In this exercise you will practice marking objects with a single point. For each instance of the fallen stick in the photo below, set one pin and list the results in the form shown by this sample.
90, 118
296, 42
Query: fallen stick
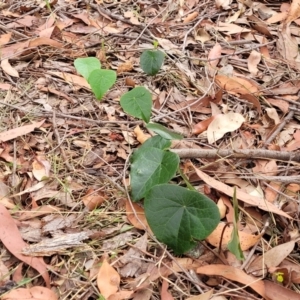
249, 153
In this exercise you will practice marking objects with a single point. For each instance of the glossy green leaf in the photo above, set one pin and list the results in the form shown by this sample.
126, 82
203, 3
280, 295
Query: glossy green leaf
179, 217
101, 81
85, 66
150, 167
164, 132
137, 103
234, 245
151, 61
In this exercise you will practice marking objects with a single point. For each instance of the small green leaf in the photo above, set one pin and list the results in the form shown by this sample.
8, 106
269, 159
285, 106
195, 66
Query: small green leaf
150, 167
101, 81
164, 132
155, 44
137, 103
85, 66
234, 245
151, 61
179, 217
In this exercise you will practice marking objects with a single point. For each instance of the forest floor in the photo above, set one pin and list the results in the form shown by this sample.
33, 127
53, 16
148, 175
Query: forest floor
67, 225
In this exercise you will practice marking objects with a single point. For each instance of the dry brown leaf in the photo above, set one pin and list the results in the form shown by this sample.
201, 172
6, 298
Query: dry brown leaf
222, 124
8, 69
202, 35
222, 208
225, 4
41, 168
143, 294
253, 61
247, 240
294, 12
259, 25
5, 38
16, 132
271, 258
108, 280
121, 295
130, 82
272, 113
18, 48
278, 17
271, 191
164, 294
236, 85
34, 293
234, 274
142, 222
213, 54
31, 189
252, 99
71, 79
12, 240
52, 32
5, 86
287, 45
125, 67
229, 191
140, 135
93, 199
190, 17
231, 28
273, 290
202, 126
281, 104
263, 166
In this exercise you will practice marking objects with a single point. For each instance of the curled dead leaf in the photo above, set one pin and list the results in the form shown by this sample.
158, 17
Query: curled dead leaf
8, 69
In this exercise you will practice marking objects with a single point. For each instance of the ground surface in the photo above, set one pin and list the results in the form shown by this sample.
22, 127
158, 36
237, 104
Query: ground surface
67, 228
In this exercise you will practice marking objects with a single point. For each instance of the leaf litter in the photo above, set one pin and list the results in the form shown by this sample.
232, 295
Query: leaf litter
229, 83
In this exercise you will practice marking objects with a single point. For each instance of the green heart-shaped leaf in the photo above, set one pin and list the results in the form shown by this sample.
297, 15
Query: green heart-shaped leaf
151, 166
138, 103
101, 81
85, 66
151, 61
179, 217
